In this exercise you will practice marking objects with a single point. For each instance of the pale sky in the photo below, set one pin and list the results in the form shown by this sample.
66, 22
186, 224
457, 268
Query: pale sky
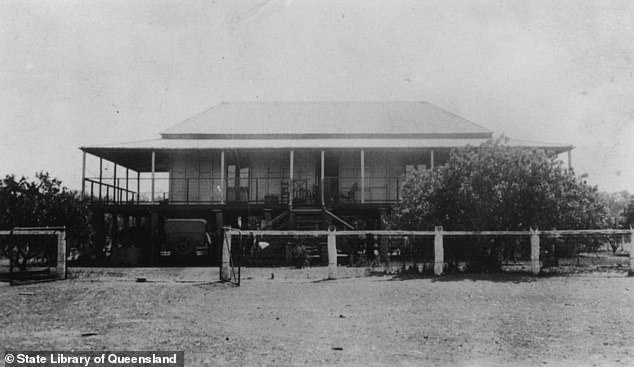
76, 73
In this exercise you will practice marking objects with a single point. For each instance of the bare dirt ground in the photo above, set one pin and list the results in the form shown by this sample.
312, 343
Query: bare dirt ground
297, 318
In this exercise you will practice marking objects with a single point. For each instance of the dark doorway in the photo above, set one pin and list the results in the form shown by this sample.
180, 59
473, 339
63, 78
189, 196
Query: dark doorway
237, 183
331, 178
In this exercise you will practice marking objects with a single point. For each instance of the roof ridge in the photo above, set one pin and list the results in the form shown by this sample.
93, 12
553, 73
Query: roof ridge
458, 116
324, 101
320, 117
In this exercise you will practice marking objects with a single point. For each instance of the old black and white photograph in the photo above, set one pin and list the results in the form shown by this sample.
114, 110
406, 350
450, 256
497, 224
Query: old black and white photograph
316, 183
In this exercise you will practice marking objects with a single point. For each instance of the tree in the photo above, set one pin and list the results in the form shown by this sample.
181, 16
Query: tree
38, 203
498, 187
616, 203
627, 219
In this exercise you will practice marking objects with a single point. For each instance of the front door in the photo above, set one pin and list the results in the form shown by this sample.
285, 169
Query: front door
237, 183
306, 176
331, 178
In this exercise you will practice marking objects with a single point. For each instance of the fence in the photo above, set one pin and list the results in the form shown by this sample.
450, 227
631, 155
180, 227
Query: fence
439, 250
33, 254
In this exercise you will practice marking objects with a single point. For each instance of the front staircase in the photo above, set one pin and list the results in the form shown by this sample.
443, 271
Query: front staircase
306, 219
309, 218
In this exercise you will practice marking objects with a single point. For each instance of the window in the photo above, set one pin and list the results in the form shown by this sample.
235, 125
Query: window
244, 177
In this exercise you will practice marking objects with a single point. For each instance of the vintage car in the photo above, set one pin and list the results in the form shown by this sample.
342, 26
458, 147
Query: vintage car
186, 238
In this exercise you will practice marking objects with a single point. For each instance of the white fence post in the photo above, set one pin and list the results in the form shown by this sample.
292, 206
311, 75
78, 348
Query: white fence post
439, 251
535, 268
61, 254
631, 272
225, 275
332, 255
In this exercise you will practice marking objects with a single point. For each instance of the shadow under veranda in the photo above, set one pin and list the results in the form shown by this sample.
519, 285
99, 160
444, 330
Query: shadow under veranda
495, 277
507, 276
453, 276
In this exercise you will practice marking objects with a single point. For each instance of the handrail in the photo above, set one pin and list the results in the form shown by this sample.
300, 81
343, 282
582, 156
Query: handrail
108, 185
278, 218
332, 215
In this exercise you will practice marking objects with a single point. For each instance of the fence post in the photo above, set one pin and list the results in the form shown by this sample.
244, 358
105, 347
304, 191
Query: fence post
631, 272
535, 268
439, 251
225, 275
332, 254
61, 254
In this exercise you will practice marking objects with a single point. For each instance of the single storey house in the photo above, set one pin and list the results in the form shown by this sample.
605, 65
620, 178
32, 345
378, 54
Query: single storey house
299, 165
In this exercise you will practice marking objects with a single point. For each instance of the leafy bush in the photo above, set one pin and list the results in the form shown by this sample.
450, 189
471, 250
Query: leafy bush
39, 203
498, 187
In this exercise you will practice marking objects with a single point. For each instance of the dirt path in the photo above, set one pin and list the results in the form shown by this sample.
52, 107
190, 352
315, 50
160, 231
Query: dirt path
299, 319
